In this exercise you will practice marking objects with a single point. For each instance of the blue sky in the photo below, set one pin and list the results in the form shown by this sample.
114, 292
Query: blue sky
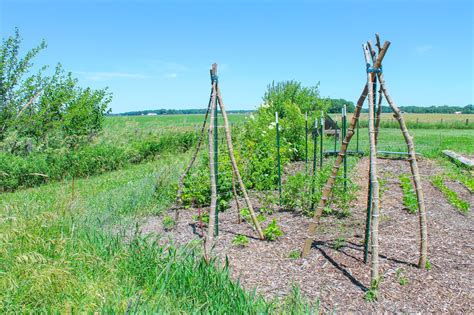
157, 54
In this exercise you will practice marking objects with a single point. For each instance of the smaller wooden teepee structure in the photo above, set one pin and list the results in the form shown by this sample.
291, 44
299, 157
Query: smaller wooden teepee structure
374, 71
214, 100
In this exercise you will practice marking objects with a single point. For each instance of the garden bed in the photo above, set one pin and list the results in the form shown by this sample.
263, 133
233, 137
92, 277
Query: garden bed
334, 272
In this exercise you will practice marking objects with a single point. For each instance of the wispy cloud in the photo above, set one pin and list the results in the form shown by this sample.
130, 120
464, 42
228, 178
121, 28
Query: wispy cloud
422, 50
171, 75
103, 76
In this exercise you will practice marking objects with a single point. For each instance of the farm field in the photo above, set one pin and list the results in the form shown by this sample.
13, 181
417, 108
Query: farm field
80, 237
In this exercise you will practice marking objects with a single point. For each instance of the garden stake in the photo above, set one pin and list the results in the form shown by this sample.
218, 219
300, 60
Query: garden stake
343, 136
315, 154
306, 142
335, 137
357, 138
278, 155
321, 135
216, 162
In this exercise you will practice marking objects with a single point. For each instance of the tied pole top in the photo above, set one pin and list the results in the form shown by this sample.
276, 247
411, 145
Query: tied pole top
369, 55
344, 111
213, 72
276, 117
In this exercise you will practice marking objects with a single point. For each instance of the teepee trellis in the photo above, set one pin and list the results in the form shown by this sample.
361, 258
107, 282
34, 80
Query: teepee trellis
214, 101
374, 72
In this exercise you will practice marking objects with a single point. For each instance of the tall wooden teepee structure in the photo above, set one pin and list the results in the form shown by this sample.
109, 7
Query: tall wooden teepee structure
215, 100
374, 71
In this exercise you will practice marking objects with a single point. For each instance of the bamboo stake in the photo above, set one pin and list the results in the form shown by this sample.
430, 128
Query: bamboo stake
331, 180
374, 271
415, 174
233, 161
191, 162
212, 210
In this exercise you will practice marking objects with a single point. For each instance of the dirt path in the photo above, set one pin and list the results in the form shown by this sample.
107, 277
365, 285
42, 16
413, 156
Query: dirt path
334, 271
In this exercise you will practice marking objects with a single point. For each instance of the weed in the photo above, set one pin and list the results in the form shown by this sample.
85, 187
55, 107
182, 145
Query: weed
294, 254
339, 243
168, 223
402, 279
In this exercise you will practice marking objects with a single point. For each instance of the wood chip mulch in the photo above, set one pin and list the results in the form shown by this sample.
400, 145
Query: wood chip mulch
337, 275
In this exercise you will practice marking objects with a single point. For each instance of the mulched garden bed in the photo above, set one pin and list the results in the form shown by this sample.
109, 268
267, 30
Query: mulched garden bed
334, 271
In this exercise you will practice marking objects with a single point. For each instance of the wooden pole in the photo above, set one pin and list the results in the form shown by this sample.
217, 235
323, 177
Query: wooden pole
374, 271
234, 162
212, 210
413, 166
179, 195
331, 180
327, 188
415, 174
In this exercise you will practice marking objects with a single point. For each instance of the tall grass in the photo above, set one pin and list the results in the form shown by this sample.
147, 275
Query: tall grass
75, 253
39, 168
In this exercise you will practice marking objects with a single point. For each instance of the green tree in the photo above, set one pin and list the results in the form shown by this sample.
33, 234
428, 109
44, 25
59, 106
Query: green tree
38, 112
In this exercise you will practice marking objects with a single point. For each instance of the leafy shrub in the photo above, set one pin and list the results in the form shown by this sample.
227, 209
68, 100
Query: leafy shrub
38, 112
272, 231
38, 168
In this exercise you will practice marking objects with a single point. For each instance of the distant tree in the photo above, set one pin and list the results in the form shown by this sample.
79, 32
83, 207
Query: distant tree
338, 104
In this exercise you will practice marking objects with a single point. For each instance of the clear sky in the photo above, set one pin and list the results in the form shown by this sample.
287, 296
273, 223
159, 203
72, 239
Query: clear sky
157, 54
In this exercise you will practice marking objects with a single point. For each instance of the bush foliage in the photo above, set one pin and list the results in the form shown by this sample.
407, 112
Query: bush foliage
40, 112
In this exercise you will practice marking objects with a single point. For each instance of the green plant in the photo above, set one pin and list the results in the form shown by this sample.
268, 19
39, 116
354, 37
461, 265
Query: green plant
168, 223
294, 254
371, 295
272, 231
410, 200
261, 218
339, 243
245, 214
240, 240
428, 265
451, 196
402, 279
204, 217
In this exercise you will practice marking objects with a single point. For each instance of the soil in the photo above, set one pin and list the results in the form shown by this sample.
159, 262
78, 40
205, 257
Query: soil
334, 271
